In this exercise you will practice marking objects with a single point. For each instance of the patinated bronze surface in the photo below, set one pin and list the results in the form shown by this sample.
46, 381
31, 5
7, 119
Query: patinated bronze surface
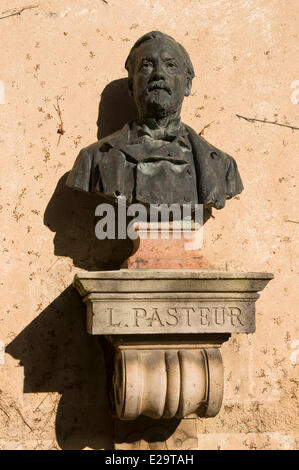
157, 159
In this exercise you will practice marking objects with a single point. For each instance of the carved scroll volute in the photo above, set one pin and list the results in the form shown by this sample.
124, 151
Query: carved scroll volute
167, 383
215, 381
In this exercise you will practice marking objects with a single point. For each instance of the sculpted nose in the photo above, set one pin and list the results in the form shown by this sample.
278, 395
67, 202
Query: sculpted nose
158, 73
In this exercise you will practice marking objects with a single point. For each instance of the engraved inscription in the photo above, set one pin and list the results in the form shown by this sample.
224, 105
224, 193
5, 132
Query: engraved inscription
219, 316
154, 317
172, 312
139, 313
204, 319
110, 313
235, 314
188, 310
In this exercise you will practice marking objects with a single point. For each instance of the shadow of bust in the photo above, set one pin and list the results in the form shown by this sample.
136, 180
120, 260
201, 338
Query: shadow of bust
116, 108
71, 213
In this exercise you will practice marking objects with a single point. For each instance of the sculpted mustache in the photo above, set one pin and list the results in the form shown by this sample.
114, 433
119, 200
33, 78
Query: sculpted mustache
159, 86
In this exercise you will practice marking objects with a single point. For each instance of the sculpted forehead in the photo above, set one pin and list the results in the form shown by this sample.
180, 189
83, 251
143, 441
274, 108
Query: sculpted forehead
159, 48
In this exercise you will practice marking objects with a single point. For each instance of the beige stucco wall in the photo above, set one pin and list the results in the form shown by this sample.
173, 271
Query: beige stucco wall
245, 54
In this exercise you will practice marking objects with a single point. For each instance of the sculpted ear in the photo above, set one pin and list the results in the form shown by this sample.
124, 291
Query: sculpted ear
188, 86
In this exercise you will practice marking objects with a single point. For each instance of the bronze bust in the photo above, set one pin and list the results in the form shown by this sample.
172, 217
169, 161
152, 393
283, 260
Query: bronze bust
157, 159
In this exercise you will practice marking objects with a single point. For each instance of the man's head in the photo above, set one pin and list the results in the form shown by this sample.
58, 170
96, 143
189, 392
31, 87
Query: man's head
160, 75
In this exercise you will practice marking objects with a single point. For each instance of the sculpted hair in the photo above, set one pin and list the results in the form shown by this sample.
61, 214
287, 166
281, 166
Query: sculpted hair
129, 64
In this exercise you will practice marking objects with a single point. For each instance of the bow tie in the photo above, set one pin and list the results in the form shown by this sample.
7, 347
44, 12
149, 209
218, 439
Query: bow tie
151, 129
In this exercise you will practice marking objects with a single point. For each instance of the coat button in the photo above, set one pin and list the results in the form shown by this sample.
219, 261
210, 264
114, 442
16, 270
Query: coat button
214, 155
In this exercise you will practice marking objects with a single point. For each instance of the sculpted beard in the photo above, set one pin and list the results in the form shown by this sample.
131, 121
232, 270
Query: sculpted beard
156, 102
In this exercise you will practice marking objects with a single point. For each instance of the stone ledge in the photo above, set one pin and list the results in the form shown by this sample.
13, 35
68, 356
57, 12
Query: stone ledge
166, 328
169, 280
170, 301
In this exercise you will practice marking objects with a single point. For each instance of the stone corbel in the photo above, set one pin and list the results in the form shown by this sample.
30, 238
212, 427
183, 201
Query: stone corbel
167, 381
166, 328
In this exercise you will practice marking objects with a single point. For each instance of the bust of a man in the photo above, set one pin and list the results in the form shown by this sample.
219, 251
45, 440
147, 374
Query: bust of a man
157, 159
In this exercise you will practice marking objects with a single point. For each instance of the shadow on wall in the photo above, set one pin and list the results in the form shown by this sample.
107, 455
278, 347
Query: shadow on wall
55, 350
70, 213
59, 356
144, 433
116, 108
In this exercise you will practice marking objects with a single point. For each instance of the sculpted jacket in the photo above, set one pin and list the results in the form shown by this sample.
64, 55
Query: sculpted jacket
152, 166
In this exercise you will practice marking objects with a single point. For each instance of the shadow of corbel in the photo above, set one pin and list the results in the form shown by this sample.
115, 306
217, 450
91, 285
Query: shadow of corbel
59, 356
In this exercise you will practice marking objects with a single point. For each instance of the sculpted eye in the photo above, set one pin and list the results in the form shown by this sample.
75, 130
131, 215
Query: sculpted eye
171, 65
145, 65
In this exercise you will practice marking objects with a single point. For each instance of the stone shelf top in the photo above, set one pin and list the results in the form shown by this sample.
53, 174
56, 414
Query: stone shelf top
169, 280
172, 274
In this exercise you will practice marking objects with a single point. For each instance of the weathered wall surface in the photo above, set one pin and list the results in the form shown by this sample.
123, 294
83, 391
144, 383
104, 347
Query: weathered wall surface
66, 53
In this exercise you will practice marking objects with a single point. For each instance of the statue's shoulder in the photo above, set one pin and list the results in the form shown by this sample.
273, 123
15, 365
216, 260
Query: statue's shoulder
201, 145
217, 171
81, 175
104, 144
